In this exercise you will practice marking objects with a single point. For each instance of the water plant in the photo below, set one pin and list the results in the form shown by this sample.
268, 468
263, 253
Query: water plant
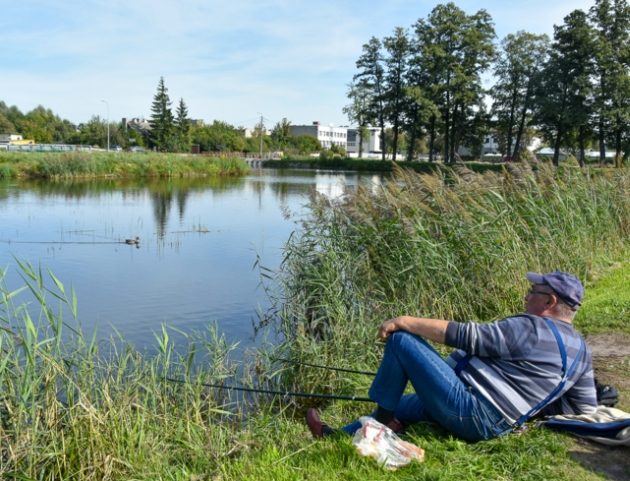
72, 407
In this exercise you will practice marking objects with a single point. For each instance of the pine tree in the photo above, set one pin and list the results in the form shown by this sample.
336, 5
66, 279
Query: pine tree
182, 127
162, 123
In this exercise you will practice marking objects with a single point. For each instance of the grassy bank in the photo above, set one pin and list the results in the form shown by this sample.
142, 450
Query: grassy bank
363, 165
74, 408
81, 410
66, 165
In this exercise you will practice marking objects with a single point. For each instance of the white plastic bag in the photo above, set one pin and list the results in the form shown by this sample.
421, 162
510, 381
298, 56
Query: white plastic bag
375, 440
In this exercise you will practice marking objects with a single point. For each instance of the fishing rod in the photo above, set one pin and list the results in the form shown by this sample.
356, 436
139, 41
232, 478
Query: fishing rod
276, 392
319, 366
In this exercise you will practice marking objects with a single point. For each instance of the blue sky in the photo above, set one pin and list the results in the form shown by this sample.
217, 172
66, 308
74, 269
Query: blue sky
228, 60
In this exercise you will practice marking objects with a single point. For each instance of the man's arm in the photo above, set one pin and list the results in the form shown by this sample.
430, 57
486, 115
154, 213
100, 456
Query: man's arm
432, 329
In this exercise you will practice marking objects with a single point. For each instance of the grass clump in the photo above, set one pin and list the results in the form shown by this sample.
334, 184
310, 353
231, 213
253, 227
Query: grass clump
66, 165
74, 408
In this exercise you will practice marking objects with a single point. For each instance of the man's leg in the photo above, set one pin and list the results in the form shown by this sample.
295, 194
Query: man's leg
441, 395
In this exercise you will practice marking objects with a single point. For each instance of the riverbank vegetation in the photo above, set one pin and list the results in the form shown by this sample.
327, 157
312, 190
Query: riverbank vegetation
451, 246
454, 246
365, 165
64, 165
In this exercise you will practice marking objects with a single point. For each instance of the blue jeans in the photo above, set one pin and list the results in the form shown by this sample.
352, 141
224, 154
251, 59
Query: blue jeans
441, 396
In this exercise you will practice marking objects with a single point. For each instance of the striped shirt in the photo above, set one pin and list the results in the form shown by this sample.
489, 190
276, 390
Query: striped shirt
516, 363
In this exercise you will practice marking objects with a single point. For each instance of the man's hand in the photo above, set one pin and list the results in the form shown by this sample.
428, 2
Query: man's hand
392, 325
432, 329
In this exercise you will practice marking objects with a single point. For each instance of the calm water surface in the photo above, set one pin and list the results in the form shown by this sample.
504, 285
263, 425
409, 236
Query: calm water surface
199, 241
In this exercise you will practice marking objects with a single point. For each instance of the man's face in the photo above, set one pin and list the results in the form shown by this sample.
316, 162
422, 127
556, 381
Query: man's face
538, 298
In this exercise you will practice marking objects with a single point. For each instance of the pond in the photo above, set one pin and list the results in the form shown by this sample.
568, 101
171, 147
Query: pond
194, 263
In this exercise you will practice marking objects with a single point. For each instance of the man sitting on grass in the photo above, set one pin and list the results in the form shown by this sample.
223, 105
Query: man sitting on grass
501, 374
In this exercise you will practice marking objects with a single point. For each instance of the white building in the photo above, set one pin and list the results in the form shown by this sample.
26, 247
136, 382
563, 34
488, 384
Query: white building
327, 135
371, 142
10, 138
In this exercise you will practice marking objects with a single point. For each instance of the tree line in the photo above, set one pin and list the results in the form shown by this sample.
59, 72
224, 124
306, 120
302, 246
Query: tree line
168, 132
425, 85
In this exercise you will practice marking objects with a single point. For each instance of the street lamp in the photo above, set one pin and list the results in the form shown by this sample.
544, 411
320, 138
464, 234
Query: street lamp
107, 103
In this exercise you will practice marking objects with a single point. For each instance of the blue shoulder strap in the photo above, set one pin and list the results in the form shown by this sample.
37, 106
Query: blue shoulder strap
566, 373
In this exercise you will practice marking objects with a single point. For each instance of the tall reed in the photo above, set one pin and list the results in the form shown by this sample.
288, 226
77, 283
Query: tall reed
75, 408
451, 246
65, 165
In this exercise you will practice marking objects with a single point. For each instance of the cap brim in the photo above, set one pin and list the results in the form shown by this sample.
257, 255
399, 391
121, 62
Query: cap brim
535, 278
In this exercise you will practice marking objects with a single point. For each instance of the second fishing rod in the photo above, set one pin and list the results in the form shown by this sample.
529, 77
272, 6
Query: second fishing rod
275, 392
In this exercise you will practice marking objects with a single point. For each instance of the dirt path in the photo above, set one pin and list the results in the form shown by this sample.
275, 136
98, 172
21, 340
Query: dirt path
611, 360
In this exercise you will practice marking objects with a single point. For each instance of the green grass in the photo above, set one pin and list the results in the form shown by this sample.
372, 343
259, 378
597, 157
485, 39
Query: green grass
67, 165
607, 305
535, 454
363, 165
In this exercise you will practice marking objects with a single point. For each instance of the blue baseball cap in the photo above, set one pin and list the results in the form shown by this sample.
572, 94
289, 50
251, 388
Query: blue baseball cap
568, 287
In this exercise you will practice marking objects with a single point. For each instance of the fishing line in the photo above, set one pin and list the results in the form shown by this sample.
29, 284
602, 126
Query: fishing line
275, 392
319, 366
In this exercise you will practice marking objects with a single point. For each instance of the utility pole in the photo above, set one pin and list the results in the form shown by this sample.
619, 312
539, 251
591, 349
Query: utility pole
262, 126
107, 103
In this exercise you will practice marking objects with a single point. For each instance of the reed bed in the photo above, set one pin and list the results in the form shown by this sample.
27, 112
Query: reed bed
67, 165
453, 245
74, 408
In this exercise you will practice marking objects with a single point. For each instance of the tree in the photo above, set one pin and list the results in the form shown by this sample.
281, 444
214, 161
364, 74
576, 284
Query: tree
517, 72
611, 20
6, 126
358, 111
371, 77
565, 93
162, 134
182, 127
456, 48
218, 137
418, 110
281, 132
396, 64
304, 144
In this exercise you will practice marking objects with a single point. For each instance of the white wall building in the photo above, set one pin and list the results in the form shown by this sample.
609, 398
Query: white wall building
371, 142
327, 135
9, 138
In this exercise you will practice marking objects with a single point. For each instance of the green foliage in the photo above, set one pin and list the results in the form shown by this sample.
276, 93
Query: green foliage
371, 78
218, 137
74, 408
607, 304
60, 165
565, 90
182, 127
281, 133
302, 145
162, 134
398, 49
518, 74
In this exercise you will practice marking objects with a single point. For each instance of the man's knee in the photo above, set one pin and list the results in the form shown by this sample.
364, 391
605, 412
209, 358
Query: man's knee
403, 340
399, 338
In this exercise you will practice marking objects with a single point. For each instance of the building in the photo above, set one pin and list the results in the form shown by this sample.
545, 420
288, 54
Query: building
13, 139
371, 142
327, 135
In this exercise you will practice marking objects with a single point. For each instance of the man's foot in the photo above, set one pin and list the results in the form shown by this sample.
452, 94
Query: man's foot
396, 426
316, 426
